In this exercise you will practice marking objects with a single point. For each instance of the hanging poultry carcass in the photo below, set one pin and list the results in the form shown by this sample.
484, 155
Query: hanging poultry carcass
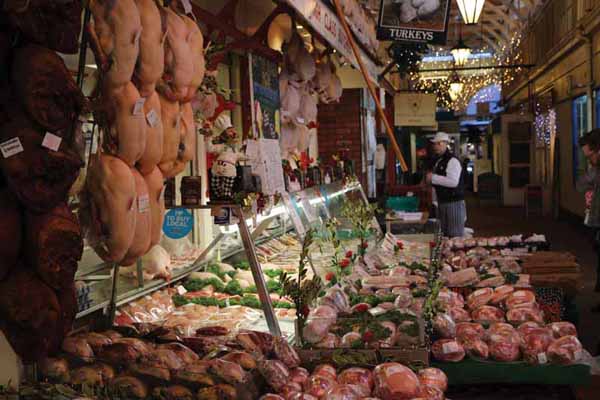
153, 150
171, 119
155, 183
143, 221
196, 43
151, 62
115, 33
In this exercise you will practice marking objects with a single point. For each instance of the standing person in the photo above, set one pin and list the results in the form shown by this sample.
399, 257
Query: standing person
590, 184
447, 180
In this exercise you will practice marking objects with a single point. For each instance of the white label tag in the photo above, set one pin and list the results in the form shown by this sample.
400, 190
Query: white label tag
578, 355
542, 358
11, 147
181, 290
152, 118
51, 141
143, 203
138, 108
187, 6
450, 347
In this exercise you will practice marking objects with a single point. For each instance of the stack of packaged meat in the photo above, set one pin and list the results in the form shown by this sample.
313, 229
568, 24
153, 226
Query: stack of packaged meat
516, 330
151, 64
41, 147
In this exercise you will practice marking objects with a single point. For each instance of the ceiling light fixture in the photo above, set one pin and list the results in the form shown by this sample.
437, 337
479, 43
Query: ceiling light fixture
461, 53
470, 10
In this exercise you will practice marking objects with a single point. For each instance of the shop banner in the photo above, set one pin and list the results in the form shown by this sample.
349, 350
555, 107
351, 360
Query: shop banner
265, 94
401, 20
414, 109
326, 23
178, 223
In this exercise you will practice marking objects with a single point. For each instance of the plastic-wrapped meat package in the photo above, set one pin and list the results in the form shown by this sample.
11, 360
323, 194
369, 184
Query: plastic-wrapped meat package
430, 393
459, 315
526, 327
404, 299
285, 353
290, 389
357, 376
465, 277
302, 396
504, 349
501, 293
337, 299
476, 348
350, 338
444, 326
560, 329
520, 298
448, 350
326, 370
399, 271
535, 344
488, 314
466, 331
479, 298
433, 377
525, 314
270, 396
318, 324
450, 299
319, 385
330, 341
275, 372
394, 381
343, 392
299, 375
565, 350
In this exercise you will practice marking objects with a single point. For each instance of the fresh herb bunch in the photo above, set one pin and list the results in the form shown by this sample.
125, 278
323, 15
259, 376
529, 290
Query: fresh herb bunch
302, 290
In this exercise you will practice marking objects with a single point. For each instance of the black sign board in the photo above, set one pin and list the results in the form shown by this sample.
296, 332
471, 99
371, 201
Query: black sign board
420, 21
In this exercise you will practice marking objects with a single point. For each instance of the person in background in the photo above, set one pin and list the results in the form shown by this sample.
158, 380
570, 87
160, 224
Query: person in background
589, 183
447, 180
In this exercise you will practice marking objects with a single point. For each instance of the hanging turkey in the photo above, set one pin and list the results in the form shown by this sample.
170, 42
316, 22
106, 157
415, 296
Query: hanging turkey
151, 62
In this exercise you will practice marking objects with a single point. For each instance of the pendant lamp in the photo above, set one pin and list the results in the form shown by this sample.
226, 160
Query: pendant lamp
470, 10
460, 52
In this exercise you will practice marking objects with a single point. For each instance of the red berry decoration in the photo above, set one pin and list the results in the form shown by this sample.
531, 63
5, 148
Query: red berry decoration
344, 263
400, 245
359, 308
349, 254
329, 276
364, 245
432, 244
368, 336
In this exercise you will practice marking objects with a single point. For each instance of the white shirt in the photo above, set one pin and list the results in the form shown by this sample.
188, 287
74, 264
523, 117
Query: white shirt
452, 178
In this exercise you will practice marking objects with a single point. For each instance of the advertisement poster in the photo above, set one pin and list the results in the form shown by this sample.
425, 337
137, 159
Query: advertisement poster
419, 21
265, 85
178, 223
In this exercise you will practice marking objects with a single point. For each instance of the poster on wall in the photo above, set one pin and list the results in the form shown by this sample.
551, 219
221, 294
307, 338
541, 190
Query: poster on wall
265, 95
414, 109
403, 20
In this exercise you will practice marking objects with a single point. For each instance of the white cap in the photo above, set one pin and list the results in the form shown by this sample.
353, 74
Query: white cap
222, 123
441, 137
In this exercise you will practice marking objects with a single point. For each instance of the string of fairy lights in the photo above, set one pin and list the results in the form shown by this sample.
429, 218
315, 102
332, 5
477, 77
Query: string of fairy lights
469, 82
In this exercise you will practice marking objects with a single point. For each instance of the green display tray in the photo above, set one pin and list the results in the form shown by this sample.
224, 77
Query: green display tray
470, 372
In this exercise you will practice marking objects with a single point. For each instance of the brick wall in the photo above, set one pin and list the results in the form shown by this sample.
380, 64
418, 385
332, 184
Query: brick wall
339, 128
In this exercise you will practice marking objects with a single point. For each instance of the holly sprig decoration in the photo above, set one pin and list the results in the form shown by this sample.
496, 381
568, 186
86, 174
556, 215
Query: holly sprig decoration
341, 261
361, 217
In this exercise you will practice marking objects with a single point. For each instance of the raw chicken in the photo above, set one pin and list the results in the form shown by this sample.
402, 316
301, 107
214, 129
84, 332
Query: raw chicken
179, 62
560, 329
155, 184
566, 350
300, 60
307, 114
143, 221
322, 77
290, 103
151, 61
39, 177
394, 381
172, 134
127, 125
156, 264
52, 24
54, 245
448, 350
11, 232
433, 377
115, 34
112, 214
196, 43
153, 150
29, 321
47, 90
535, 344
187, 146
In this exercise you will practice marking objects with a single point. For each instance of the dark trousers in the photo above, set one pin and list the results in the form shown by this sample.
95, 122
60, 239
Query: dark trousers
597, 248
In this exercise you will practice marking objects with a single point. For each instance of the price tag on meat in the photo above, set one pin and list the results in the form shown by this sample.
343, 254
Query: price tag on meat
542, 358
11, 147
187, 6
450, 347
181, 290
51, 141
152, 118
143, 203
138, 108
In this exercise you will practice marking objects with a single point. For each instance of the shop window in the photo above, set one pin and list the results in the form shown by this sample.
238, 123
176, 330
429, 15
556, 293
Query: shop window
580, 127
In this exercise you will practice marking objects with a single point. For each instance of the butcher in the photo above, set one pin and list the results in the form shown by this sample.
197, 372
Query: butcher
589, 183
447, 180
